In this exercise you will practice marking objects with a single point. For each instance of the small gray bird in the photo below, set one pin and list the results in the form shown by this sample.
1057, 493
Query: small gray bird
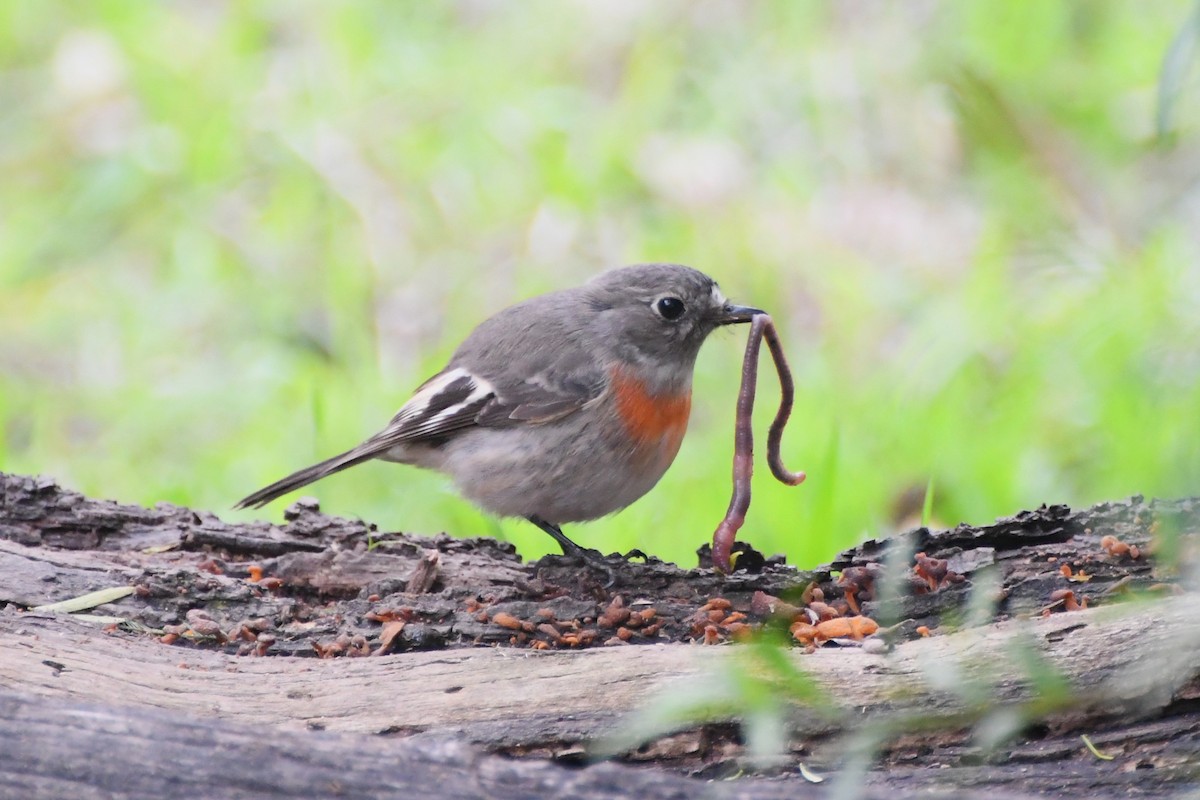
562, 408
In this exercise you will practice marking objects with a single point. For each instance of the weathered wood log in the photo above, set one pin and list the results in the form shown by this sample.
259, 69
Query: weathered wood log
1134, 669
508, 698
549, 703
93, 752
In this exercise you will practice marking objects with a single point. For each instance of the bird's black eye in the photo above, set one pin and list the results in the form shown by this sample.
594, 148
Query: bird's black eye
669, 307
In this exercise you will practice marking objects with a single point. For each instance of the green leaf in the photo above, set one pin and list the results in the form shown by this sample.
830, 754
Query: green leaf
86, 601
1092, 748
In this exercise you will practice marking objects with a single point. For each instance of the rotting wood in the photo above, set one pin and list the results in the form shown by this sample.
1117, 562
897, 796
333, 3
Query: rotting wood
547, 704
506, 697
56, 544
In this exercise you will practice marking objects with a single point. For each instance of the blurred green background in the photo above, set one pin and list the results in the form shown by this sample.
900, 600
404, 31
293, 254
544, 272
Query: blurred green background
235, 235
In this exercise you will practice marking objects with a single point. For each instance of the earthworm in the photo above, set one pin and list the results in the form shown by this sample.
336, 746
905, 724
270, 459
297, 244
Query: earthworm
761, 326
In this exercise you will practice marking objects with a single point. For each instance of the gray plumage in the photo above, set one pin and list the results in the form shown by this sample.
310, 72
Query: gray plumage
524, 417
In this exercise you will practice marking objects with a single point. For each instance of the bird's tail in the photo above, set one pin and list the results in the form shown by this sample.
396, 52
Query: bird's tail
308, 475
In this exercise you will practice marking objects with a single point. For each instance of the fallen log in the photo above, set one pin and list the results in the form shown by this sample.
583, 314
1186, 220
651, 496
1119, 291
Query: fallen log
1134, 669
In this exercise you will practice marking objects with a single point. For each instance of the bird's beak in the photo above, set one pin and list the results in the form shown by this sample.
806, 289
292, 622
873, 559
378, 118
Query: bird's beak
732, 314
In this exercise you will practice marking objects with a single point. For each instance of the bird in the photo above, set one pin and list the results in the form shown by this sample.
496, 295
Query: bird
562, 408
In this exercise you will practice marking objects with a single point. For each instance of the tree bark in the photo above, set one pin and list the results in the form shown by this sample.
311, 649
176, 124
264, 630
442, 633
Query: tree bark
432, 707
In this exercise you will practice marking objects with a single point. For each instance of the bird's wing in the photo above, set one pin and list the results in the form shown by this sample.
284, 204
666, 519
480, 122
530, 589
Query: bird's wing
542, 397
457, 398
528, 364
451, 400
524, 366
448, 401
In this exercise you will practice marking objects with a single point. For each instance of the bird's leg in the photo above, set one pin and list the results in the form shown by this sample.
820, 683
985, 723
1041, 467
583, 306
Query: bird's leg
569, 548
592, 558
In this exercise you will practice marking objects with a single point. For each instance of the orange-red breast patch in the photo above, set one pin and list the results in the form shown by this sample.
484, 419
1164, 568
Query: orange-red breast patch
655, 422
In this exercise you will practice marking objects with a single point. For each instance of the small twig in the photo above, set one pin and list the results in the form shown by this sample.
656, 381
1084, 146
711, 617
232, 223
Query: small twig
743, 440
